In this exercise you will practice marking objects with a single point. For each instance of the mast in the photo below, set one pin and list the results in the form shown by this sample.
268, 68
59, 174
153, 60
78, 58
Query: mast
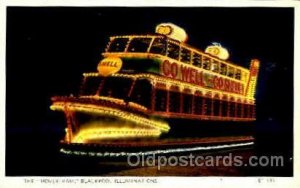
252, 80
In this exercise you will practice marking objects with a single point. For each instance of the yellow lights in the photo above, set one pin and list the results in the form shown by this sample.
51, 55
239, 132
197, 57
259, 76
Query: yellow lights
155, 152
151, 55
109, 65
164, 29
126, 126
117, 101
67, 136
182, 85
112, 112
255, 63
162, 58
171, 30
254, 67
97, 97
137, 106
90, 74
218, 51
205, 76
111, 133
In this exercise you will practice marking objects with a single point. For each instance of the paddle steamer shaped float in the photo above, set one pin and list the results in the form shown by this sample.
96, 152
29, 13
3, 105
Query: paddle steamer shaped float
156, 86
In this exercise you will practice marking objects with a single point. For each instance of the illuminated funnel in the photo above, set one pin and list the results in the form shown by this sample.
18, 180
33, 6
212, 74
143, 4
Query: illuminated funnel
217, 50
172, 31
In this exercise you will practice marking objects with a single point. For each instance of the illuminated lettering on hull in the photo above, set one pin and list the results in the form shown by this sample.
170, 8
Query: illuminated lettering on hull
201, 78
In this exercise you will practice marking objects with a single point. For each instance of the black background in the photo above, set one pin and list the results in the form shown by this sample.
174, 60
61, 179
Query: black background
48, 49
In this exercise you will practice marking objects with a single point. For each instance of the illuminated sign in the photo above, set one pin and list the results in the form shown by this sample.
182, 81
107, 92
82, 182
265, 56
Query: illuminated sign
218, 51
194, 76
164, 30
109, 66
171, 30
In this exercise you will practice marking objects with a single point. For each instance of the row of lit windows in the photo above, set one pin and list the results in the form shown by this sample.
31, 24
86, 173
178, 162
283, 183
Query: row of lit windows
174, 51
118, 88
200, 105
178, 102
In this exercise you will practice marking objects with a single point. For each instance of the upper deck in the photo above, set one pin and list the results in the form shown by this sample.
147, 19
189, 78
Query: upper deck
160, 45
166, 54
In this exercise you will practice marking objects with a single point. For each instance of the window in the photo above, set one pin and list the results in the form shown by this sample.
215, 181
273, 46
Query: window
230, 72
239, 109
215, 66
197, 60
207, 106
116, 87
160, 100
187, 103
252, 111
141, 93
174, 101
159, 46
118, 45
224, 108
198, 105
223, 69
139, 45
185, 55
216, 107
91, 85
231, 109
173, 51
206, 63
246, 111
238, 74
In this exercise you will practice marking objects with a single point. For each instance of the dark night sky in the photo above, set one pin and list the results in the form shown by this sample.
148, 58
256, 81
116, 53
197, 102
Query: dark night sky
48, 49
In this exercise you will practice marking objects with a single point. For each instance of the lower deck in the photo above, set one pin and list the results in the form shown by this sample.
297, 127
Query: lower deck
166, 98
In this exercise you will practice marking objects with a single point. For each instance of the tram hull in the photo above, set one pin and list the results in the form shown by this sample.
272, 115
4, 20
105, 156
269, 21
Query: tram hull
179, 128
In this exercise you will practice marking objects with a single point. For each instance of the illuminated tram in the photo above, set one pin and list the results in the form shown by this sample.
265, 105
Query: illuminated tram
157, 86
